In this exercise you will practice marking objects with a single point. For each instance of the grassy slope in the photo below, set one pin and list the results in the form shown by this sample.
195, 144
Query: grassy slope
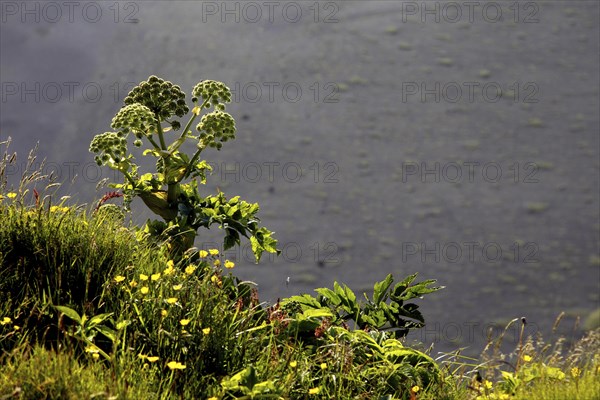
93, 265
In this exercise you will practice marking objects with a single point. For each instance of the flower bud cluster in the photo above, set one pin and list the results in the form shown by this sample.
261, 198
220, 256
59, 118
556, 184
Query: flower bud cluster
134, 117
217, 92
109, 145
162, 97
216, 127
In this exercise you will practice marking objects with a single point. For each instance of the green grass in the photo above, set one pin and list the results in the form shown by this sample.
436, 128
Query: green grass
91, 309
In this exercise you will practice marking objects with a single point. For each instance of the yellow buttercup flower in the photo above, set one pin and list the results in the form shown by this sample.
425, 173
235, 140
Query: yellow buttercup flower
170, 268
144, 290
172, 300
133, 283
323, 365
5, 321
216, 281
488, 384
190, 269
314, 390
203, 253
164, 313
184, 322
143, 277
229, 264
213, 252
575, 372
11, 195
293, 364
206, 331
175, 365
177, 287
217, 263
155, 277
152, 359
415, 389
119, 278
527, 358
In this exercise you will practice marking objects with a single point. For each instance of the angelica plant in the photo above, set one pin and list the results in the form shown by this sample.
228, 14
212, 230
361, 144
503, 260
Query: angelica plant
150, 115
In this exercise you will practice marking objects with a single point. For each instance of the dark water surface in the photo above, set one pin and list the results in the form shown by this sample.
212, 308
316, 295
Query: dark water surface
373, 134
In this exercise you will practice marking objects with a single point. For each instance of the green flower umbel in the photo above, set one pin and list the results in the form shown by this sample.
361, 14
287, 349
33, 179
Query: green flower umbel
215, 127
162, 97
111, 146
135, 118
212, 93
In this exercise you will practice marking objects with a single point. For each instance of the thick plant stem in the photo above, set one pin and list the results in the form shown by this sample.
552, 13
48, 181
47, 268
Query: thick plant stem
172, 193
192, 162
129, 178
156, 146
161, 138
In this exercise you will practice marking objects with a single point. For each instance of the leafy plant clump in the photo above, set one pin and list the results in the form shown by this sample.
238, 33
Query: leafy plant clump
150, 113
386, 310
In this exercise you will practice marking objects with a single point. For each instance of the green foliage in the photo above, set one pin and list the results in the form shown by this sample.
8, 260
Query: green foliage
245, 383
172, 192
56, 255
386, 310
186, 313
161, 328
38, 373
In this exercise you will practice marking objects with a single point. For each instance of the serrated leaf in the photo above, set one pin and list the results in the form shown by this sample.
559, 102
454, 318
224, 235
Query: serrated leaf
329, 295
229, 242
401, 286
305, 300
380, 289
350, 294
338, 289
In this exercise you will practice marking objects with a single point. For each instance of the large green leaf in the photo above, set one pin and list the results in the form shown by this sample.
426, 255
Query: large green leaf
380, 289
98, 319
330, 295
69, 312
